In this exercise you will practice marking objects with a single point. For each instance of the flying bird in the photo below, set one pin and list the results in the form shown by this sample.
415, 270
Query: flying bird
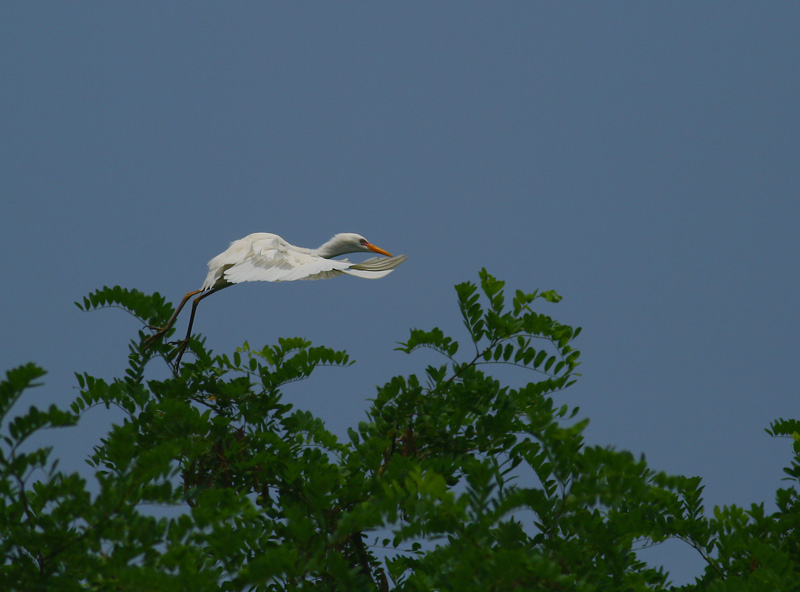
265, 257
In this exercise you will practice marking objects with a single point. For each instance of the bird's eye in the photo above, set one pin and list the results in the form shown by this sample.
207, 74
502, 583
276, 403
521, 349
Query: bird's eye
364, 241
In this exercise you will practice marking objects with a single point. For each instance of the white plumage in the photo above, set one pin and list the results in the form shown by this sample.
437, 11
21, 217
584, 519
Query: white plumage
265, 257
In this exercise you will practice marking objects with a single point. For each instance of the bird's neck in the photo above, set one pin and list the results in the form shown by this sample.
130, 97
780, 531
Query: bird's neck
333, 248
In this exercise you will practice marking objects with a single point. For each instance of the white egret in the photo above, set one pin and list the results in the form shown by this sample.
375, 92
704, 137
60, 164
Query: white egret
265, 257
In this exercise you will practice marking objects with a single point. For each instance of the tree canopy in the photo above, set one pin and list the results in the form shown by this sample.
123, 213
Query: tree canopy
452, 480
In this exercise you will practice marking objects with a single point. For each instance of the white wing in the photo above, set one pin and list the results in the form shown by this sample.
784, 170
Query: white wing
299, 266
375, 268
282, 267
237, 252
370, 269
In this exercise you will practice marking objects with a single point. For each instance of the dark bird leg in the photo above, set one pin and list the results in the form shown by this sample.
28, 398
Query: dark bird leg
185, 342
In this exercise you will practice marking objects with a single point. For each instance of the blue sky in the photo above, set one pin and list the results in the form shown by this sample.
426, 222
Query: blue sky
639, 158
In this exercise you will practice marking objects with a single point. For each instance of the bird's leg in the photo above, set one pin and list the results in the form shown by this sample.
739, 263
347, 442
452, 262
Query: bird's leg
185, 342
162, 330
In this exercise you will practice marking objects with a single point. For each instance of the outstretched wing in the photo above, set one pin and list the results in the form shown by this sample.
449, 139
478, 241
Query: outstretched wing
370, 269
262, 244
280, 265
376, 267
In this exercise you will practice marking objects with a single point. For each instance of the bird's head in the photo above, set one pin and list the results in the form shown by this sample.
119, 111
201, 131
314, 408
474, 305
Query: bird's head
349, 242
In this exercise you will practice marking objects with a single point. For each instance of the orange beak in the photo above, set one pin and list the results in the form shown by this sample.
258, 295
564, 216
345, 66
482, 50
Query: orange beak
375, 249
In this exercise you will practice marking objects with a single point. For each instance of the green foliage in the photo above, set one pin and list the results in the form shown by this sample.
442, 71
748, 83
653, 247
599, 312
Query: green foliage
453, 480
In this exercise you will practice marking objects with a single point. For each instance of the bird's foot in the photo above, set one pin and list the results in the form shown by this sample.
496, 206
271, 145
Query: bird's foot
150, 341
